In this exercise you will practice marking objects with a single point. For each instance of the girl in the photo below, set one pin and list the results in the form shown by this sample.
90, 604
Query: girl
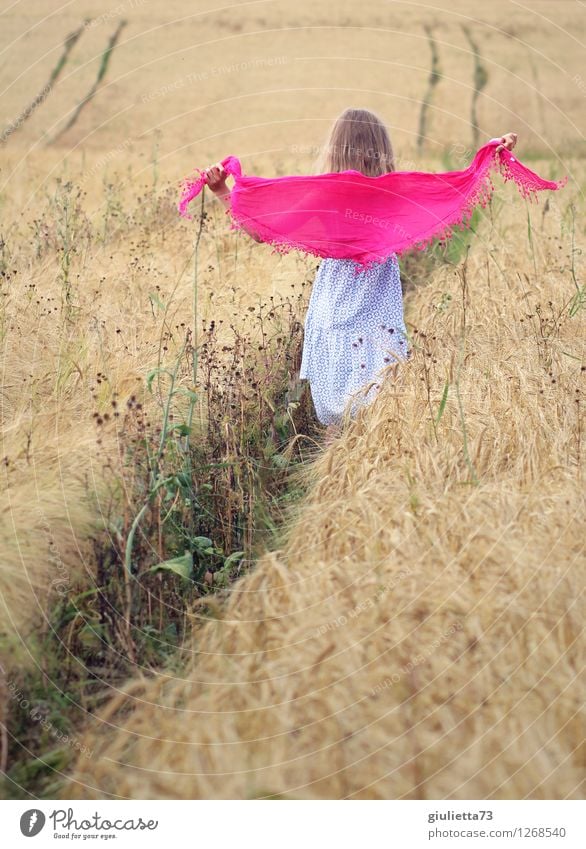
354, 326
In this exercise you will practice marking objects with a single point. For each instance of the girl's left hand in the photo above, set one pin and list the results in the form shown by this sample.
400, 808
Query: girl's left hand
508, 142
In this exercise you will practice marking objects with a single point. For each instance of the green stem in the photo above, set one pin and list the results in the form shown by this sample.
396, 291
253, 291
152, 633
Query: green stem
101, 73
195, 316
463, 420
136, 523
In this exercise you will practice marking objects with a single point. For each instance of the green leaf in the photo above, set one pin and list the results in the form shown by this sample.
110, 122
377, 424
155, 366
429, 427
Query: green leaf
150, 377
182, 429
182, 566
155, 300
184, 482
443, 402
202, 543
279, 461
92, 636
577, 301
229, 561
152, 374
189, 392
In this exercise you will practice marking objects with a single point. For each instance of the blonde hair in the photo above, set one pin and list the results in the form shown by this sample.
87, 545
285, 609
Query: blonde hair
358, 141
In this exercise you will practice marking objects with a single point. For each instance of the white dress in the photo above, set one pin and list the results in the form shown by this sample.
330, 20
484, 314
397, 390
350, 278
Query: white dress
354, 327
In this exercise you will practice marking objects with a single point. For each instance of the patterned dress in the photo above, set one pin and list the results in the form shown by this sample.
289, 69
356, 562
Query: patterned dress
354, 328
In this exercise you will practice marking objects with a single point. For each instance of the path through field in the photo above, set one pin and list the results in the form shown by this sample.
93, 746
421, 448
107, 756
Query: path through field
410, 627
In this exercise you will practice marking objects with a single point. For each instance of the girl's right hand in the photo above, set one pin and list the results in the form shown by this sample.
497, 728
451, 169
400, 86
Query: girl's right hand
216, 179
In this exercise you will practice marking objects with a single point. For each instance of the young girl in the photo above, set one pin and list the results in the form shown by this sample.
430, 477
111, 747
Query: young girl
354, 326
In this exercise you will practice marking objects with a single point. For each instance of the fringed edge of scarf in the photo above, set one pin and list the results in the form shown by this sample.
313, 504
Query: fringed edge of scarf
527, 182
190, 188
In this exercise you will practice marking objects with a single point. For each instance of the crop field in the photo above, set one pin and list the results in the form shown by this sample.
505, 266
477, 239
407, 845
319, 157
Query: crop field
199, 597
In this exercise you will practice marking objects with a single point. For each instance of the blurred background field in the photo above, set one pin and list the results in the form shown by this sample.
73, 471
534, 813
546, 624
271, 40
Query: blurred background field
156, 439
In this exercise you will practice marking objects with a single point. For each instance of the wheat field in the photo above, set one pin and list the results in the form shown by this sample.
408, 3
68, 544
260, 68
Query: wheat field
414, 628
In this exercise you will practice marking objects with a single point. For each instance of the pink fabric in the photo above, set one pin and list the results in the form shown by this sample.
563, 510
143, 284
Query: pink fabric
348, 215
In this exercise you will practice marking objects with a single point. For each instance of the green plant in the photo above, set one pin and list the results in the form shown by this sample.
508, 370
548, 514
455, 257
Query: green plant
72, 236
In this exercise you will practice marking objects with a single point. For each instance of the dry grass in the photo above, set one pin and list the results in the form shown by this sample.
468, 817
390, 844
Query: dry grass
82, 424
417, 634
63, 366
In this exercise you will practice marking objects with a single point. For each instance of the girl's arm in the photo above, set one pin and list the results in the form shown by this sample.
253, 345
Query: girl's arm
216, 180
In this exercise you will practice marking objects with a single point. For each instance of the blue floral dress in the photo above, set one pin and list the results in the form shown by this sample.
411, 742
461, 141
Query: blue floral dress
354, 328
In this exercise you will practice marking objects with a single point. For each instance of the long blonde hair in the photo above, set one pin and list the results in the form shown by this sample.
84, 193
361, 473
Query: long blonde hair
358, 141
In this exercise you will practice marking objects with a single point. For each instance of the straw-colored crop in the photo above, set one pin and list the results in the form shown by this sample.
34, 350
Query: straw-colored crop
417, 634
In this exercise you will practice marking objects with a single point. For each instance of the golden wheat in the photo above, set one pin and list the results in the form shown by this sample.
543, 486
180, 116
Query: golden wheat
417, 634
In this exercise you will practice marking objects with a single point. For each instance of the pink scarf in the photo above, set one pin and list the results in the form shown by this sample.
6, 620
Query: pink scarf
348, 215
